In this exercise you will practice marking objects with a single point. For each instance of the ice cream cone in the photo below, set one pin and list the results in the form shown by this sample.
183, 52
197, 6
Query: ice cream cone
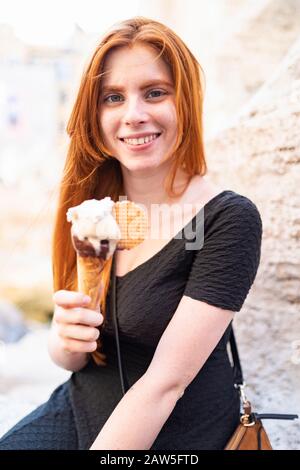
89, 278
89, 282
98, 229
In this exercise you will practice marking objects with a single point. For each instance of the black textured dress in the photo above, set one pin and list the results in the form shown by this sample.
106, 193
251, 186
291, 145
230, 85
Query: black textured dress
220, 273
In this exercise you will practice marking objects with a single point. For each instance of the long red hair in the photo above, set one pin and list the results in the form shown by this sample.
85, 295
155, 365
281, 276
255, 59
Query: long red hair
90, 171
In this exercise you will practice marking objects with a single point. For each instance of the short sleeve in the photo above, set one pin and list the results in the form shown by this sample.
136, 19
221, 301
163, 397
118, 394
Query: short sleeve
224, 268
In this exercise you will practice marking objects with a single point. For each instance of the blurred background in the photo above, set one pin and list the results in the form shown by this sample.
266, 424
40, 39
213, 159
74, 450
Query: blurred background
250, 53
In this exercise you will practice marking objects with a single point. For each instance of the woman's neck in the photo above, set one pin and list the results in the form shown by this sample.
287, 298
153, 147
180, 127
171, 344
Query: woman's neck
149, 189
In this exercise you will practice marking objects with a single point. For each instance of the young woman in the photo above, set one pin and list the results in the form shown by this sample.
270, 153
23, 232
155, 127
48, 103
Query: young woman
136, 131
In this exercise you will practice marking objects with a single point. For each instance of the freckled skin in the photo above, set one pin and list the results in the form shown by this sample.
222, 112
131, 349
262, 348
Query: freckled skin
137, 110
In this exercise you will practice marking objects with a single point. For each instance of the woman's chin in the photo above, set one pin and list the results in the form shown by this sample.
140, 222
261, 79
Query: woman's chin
140, 166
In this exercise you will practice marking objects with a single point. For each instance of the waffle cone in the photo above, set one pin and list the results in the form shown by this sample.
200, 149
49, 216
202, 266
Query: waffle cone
88, 278
89, 282
133, 223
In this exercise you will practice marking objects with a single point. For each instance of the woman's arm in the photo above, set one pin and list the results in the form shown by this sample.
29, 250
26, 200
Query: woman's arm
190, 337
138, 418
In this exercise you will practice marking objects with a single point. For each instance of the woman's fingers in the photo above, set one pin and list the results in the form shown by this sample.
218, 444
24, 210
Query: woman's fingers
75, 324
81, 316
69, 299
77, 346
79, 332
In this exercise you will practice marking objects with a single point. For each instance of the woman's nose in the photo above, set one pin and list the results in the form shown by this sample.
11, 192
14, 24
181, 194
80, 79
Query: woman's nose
134, 111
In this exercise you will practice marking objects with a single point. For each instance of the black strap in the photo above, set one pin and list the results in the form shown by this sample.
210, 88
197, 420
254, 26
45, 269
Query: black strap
237, 369
113, 308
275, 416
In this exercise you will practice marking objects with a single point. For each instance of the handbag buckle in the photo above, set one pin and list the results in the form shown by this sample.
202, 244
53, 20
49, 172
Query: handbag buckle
247, 418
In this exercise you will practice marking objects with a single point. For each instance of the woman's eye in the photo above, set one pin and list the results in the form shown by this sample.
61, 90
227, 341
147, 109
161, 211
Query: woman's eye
114, 98
111, 96
157, 91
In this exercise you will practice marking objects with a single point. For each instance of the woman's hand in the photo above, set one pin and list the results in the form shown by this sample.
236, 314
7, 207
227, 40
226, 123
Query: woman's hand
75, 324
74, 331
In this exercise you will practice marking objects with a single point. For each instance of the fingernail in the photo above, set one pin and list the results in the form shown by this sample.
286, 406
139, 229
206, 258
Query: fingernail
86, 299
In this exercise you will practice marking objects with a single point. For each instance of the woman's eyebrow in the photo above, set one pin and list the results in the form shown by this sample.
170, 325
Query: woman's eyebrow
142, 87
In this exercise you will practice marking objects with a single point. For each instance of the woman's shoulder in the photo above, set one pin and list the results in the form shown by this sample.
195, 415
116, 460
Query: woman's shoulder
239, 206
227, 211
226, 196
205, 193
234, 216
223, 212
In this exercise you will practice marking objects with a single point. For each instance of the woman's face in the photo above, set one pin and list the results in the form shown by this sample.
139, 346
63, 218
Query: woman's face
137, 101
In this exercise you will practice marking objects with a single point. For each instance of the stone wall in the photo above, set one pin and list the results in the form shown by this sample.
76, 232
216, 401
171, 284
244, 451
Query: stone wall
259, 157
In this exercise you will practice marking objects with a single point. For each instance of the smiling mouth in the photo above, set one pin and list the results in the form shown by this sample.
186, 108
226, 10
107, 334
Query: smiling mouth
134, 142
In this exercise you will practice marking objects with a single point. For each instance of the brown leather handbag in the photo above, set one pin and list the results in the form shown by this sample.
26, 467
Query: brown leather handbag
250, 433
249, 436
